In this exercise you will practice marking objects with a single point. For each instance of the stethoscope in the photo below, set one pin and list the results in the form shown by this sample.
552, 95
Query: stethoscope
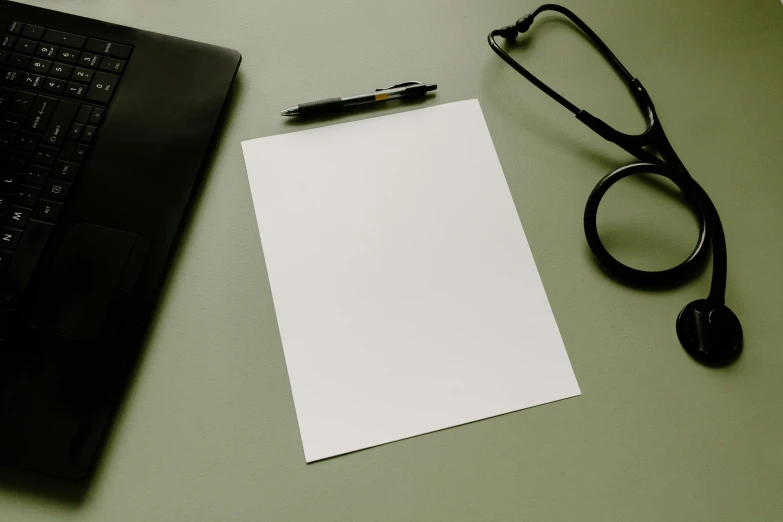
707, 329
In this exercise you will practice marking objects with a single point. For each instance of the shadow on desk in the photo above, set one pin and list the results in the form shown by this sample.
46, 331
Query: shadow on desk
61, 491
73, 493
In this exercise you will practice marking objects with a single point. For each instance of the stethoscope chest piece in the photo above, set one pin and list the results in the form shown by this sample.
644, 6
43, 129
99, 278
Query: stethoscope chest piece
710, 334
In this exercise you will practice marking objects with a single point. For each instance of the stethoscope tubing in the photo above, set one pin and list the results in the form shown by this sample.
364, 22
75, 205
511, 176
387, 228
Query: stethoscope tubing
710, 230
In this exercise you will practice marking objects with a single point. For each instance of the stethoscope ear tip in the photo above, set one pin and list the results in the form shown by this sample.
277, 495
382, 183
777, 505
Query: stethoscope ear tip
710, 334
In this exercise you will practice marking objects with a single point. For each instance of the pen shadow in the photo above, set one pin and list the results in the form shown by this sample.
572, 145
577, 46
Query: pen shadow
72, 494
365, 110
514, 106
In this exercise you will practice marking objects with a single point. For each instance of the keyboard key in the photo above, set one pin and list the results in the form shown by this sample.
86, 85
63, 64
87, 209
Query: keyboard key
33, 32
45, 156
63, 38
22, 102
80, 74
27, 141
15, 28
32, 81
112, 49
80, 152
16, 216
8, 42
45, 50
11, 77
8, 182
66, 152
5, 158
18, 161
65, 170
40, 66
56, 190
9, 237
18, 61
4, 56
85, 111
5, 258
75, 90
25, 196
35, 175
114, 65
25, 46
23, 264
102, 87
54, 85
119, 51
12, 122
95, 45
67, 56
96, 116
61, 70
41, 112
6, 142
75, 132
88, 134
5, 99
47, 210
89, 60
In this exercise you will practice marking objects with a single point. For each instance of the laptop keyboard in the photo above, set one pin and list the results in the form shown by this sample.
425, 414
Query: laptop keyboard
55, 87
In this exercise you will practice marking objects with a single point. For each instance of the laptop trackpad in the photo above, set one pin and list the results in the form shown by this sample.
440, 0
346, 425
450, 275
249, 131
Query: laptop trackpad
77, 292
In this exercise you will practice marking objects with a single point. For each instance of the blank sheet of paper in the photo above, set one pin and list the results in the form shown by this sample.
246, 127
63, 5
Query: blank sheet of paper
407, 297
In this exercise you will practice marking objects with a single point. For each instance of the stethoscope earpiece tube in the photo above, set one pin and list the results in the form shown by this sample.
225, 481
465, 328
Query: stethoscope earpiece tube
707, 329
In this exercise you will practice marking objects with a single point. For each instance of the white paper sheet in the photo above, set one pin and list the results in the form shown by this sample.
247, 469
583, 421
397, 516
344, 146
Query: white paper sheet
407, 297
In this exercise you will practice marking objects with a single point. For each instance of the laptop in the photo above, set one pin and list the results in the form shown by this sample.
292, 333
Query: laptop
104, 133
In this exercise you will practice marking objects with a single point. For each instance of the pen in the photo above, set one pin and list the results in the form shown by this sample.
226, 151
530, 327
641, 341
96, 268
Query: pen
336, 104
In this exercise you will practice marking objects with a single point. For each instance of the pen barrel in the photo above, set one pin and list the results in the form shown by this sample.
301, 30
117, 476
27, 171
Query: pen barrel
320, 107
417, 90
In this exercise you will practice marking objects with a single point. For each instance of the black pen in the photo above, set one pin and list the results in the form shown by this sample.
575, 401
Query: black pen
336, 104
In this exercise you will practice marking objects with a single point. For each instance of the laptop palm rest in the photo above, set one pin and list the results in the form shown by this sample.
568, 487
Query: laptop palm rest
90, 265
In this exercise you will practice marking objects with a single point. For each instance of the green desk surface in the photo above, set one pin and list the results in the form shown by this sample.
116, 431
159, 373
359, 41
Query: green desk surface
208, 431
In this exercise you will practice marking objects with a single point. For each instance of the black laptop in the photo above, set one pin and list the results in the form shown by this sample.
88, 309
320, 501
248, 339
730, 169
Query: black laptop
104, 132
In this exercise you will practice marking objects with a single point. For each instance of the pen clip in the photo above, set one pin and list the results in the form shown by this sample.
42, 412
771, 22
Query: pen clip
403, 84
